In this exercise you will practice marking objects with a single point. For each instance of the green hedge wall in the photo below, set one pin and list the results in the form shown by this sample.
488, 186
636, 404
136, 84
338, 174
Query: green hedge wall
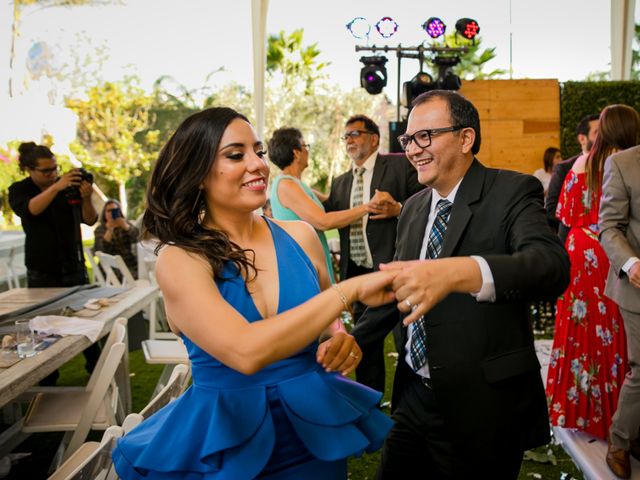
578, 99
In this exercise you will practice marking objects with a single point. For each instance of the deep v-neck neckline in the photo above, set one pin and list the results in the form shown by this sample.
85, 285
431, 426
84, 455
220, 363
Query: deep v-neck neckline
278, 265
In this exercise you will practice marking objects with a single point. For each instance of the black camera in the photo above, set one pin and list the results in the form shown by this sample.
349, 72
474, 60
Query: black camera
86, 176
73, 193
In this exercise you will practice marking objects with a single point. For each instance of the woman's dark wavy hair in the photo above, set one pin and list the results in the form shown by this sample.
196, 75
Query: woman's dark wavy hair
547, 159
30, 153
618, 129
175, 201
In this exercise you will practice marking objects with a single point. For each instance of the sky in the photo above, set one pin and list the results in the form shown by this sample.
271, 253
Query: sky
188, 39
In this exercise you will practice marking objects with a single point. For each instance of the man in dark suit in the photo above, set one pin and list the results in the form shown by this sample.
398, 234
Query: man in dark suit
468, 398
586, 132
367, 243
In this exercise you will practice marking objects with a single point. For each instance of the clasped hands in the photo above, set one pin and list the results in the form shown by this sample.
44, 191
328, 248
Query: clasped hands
419, 285
416, 285
383, 205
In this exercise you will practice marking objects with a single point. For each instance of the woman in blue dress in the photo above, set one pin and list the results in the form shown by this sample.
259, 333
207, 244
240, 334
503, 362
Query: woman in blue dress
250, 298
292, 199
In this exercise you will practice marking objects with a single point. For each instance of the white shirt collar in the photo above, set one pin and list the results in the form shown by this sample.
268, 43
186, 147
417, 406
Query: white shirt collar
436, 197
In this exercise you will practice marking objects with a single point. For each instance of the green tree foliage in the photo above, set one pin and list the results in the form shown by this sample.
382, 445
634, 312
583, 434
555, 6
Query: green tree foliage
298, 95
635, 55
297, 66
114, 138
9, 173
472, 62
578, 99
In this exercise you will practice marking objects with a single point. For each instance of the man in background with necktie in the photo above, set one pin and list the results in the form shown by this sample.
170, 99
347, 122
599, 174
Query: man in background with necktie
468, 398
370, 241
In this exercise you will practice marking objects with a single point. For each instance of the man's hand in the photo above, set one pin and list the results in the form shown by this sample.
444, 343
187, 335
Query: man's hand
340, 353
72, 178
383, 205
422, 284
86, 189
634, 275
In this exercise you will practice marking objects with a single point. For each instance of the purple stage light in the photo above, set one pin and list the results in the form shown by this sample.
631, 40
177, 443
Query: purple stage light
434, 27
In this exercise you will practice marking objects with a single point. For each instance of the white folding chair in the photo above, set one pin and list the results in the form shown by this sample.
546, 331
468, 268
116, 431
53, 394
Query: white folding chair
11, 269
92, 460
6, 268
147, 271
98, 277
76, 410
117, 274
173, 389
168, 353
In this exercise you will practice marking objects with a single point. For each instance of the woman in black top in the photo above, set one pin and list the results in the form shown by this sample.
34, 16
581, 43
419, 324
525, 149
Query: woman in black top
51, 208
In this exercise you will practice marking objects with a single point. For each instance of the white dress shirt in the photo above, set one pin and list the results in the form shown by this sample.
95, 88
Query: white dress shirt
487, 292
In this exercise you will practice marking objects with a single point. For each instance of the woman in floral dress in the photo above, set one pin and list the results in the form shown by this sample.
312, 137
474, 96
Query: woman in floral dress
588, 360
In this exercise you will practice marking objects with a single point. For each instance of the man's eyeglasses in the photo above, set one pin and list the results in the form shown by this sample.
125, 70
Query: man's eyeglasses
46, 171
354, 134
306, 145
422, 138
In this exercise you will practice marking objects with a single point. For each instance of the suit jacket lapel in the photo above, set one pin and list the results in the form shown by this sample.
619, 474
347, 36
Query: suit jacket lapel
416, 228
346, 193
469, 192
378, 174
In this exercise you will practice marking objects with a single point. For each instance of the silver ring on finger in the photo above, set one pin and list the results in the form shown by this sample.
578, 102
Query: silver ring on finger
408, 303
354, 355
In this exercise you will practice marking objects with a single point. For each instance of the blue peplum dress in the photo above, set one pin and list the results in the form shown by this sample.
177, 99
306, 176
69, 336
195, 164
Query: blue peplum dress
291, 420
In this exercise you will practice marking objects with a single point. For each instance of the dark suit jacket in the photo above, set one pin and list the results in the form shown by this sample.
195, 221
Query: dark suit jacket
553, 194
482, 360
392, 173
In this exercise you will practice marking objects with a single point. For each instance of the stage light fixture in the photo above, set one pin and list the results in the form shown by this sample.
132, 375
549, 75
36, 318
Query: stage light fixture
447, 80
468, 28
434, 27
359, 28
387, 27
422, 82
373, 76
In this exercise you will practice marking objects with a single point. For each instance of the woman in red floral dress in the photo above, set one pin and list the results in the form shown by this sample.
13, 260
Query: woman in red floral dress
588, 359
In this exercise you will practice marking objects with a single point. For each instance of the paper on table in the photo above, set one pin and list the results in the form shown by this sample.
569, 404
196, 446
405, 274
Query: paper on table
58, 325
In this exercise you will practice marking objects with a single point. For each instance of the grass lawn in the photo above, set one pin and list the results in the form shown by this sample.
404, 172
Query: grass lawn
143, 379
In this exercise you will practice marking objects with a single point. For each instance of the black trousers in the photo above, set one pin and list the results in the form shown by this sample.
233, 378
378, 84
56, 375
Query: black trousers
37, 279
421, 442
370, 371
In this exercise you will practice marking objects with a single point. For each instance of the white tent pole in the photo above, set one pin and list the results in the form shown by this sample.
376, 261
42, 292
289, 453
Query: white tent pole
259, 10
622, 33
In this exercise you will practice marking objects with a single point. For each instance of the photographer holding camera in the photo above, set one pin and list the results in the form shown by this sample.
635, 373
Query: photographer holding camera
51, 208
116, 235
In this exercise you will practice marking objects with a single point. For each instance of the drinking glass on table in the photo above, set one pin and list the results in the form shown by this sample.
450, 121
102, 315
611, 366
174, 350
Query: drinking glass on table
25, 339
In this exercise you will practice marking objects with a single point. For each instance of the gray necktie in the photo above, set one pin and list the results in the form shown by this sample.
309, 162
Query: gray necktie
357, 252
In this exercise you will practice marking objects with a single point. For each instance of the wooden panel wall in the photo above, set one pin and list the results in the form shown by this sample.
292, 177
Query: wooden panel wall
519, 119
